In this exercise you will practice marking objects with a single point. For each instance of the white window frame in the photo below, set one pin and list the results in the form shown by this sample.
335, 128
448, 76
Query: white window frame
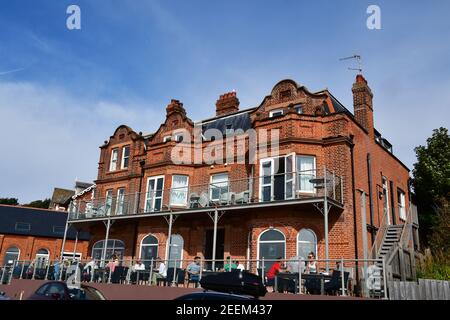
152, 208
148, 245
180, 189
298, 107
11, 253
122, 163
273, 113
271, 241
298, 172
109, 199
316, 253
120, 201
211, 182
114, 159
261, 182
401, 204
167, 139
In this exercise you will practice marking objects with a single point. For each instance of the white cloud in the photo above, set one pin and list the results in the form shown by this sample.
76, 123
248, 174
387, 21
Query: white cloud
52, 137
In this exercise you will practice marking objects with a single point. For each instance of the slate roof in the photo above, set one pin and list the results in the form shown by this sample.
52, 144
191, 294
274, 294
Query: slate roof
42, 222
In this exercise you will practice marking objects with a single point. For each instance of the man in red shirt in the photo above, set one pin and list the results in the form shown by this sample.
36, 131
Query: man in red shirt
273, 271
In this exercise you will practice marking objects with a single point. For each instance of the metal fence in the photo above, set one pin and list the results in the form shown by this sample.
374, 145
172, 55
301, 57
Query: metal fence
266, 188
297, 276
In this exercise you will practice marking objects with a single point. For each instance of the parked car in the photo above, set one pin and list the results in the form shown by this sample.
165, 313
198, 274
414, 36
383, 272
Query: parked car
58, 290
3, 296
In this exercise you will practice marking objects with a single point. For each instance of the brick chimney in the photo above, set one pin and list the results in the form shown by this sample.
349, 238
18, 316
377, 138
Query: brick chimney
175, 106
362, 104
227, 103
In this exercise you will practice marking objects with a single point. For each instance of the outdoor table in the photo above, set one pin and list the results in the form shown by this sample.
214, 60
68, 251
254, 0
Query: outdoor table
294, 277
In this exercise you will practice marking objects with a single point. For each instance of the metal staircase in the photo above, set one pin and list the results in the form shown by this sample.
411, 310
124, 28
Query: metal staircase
392, 236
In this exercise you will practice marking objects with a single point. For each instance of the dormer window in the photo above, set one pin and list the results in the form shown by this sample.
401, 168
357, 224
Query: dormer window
275, 113
229, 129
179, 137
167, 138
298, 108
114, 156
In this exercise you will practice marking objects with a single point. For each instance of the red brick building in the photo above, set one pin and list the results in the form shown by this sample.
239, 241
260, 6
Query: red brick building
306, 198
29, 233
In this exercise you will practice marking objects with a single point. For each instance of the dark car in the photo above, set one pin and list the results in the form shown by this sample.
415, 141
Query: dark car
3, 296
212, 295
58, 290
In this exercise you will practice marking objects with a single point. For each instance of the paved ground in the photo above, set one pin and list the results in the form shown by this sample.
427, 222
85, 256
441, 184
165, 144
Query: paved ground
134, 292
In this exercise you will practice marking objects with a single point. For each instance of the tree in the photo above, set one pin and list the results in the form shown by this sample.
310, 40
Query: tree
9, 201
431, 180
44, 204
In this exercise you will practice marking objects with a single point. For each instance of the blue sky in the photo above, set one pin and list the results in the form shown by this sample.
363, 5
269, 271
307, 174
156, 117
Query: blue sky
63, 92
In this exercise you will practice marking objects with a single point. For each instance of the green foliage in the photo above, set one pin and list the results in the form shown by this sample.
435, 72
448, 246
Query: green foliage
435, 267
9, 201
43, 204
431, 179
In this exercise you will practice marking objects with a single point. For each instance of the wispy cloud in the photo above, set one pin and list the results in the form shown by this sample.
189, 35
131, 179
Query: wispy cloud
2, 73
52, 137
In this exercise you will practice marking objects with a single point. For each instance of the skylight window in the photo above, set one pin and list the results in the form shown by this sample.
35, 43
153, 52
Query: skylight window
23, 227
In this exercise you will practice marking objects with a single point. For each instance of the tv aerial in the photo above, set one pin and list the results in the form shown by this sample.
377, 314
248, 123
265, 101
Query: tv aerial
356, 57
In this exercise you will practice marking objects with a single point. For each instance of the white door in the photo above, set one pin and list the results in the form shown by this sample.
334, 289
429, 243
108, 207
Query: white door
266, 180
289, 179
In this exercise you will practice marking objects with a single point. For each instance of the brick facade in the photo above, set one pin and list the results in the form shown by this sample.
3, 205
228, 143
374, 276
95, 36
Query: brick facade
324, 129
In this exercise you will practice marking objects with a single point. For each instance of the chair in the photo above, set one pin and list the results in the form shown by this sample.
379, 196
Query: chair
204, 200
242, 197
194, 281
194, 200
335, 283
313, 285
260, 273
117, 274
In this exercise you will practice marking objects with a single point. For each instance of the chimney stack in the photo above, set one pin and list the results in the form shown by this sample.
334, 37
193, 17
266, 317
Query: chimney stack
227, 103
175, 106
362, 104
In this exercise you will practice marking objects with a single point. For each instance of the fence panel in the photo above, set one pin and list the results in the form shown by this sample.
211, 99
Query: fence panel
424, 290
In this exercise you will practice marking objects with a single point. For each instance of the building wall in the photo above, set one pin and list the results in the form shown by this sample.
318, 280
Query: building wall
29, 246
337, 140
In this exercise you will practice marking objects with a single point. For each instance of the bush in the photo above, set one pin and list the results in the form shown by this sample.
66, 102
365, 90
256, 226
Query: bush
435, 266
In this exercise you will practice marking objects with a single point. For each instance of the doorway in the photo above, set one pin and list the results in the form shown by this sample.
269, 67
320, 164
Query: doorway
209, 239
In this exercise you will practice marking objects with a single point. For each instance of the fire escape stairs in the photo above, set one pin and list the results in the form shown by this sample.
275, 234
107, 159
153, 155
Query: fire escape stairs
391, 237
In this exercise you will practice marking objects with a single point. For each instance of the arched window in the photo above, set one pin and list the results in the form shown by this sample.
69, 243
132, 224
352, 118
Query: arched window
306, 243
176, 250
42, 258
12, 254
149, 250
114, 247
271, 245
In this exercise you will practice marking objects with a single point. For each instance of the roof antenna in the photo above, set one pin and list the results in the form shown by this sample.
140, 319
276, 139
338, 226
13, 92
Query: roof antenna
357, 57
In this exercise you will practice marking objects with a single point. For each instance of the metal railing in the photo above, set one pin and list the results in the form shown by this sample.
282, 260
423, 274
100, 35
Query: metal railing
378, 242
268, 188
296, 275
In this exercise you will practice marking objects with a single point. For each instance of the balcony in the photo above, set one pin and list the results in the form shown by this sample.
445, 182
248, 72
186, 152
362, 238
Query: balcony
310, 186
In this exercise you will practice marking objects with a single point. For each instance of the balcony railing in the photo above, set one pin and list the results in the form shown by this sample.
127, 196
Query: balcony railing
263, 189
